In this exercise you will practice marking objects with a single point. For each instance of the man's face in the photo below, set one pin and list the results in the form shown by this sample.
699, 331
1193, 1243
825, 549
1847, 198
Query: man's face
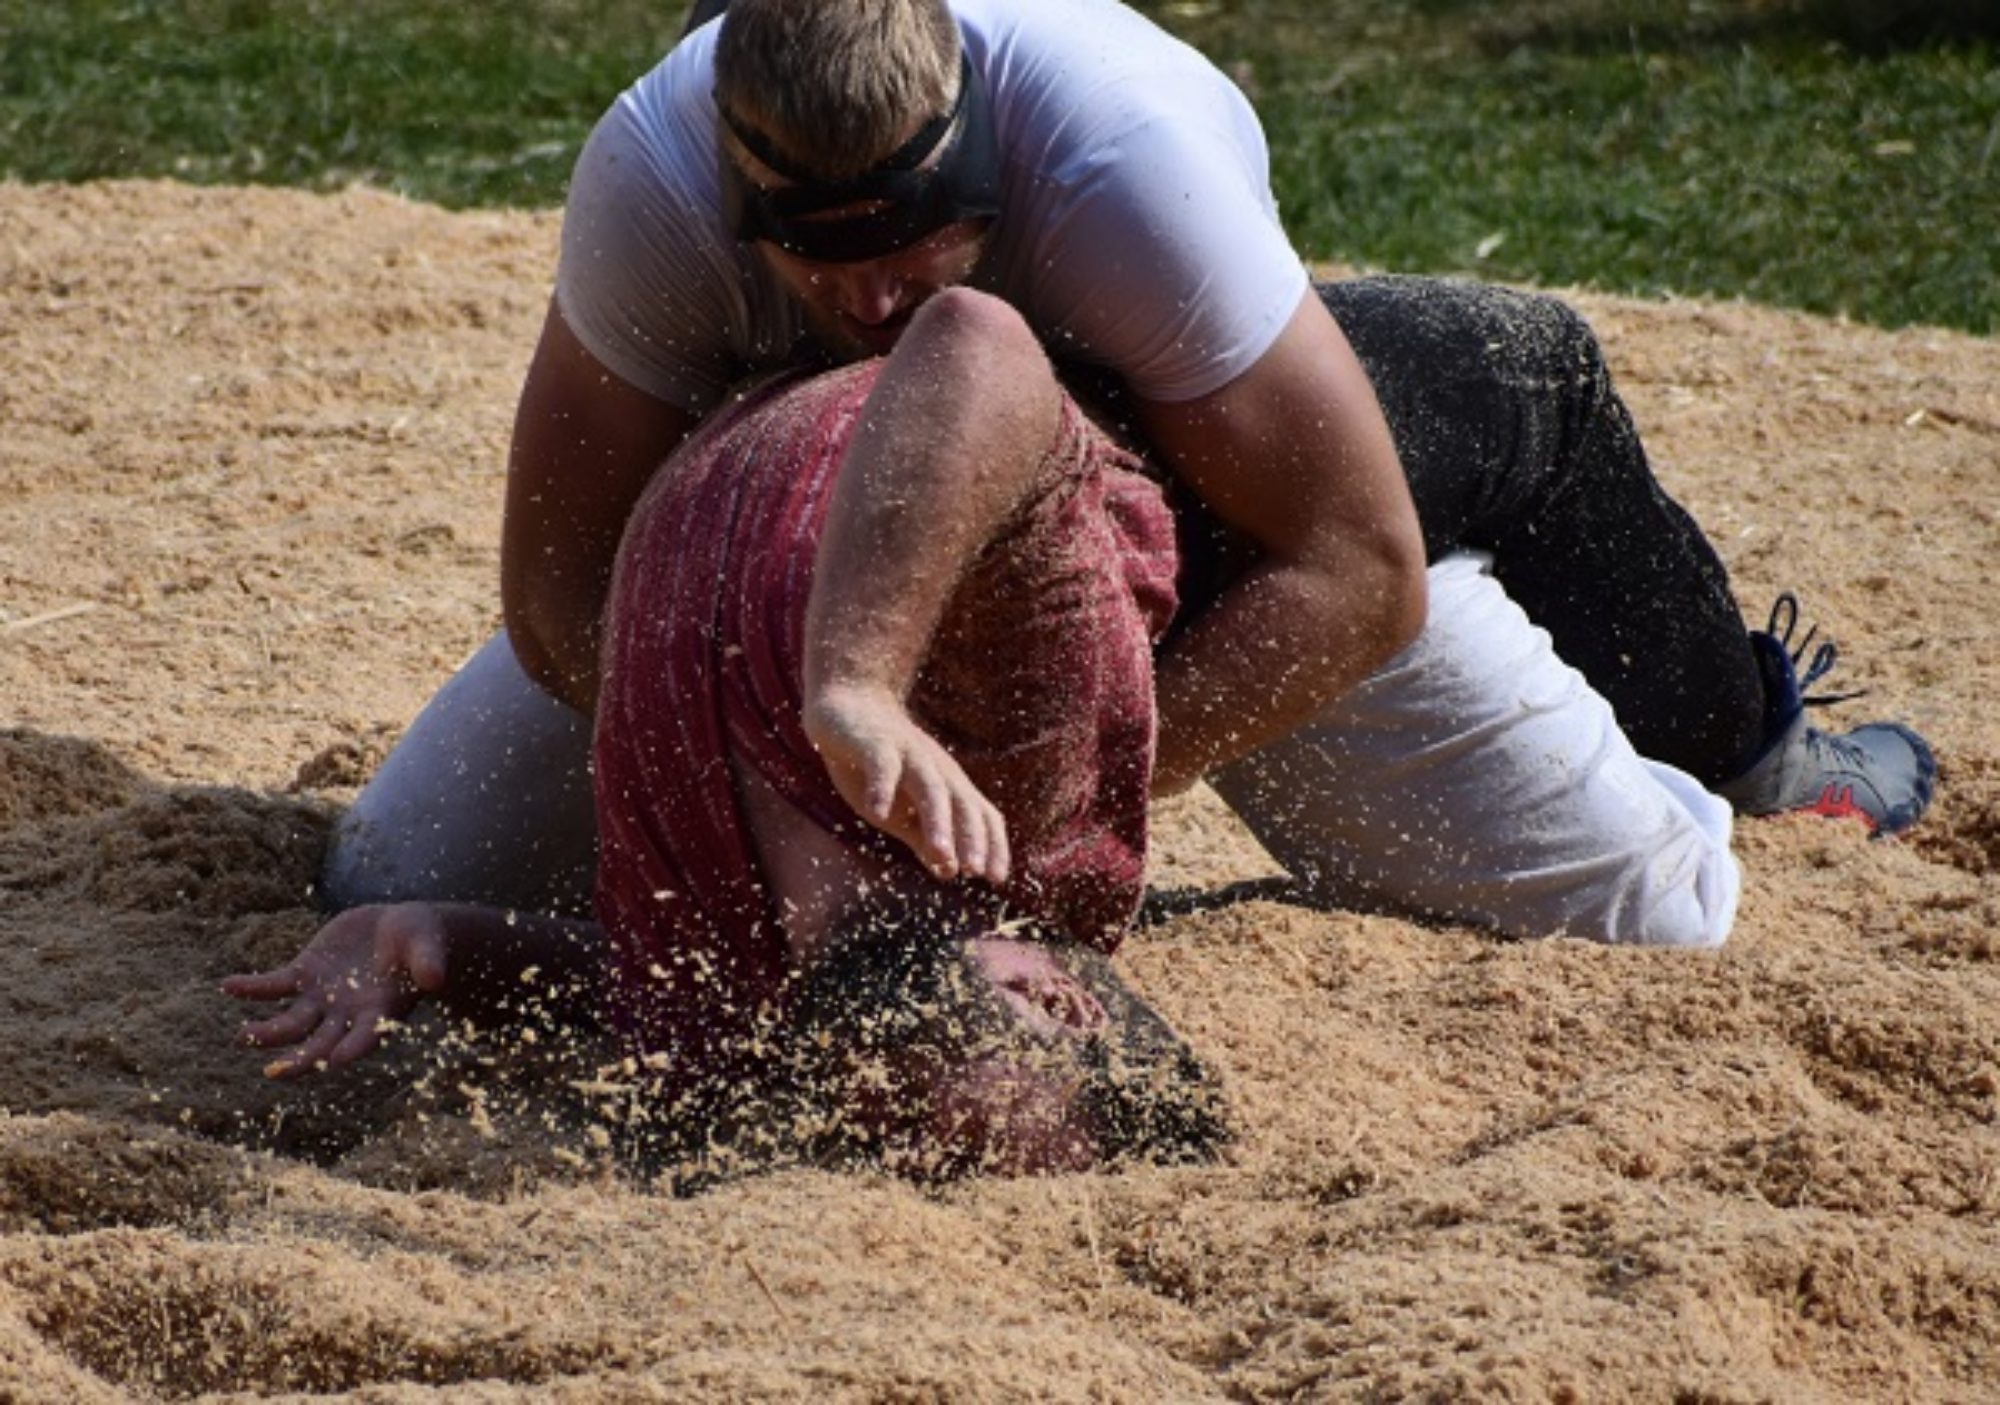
955, 1055
857, 310
937, 1054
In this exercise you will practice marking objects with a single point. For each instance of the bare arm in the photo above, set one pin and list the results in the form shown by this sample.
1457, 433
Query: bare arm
954, 430
369, 967
1295, 454
585, 444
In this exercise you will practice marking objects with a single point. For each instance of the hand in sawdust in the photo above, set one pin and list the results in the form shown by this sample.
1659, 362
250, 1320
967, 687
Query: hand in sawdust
366, 969
900, 780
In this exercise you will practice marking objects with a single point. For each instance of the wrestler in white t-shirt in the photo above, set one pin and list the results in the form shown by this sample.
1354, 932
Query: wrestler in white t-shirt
1475, 775
1137, 230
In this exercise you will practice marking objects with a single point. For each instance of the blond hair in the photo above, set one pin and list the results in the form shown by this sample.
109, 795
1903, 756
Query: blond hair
836, 85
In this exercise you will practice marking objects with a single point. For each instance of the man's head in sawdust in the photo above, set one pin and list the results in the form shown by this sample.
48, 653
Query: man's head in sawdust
857, 157
937, 1054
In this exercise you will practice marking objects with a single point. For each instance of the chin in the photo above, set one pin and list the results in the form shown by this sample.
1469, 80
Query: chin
862, 345
839, 349
846, 342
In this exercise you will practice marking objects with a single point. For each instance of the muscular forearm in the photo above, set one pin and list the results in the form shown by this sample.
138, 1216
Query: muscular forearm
1280, 645
585, 444
953, 433
950, 443
1296, 457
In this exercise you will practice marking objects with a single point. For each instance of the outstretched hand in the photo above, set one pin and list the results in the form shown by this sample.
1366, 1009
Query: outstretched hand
896, 776
366, 969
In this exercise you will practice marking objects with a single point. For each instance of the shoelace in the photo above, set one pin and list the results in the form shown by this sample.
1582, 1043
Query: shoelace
1848, 755
1784, 620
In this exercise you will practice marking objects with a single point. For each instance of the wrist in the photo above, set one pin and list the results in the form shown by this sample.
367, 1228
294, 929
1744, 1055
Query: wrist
838, 691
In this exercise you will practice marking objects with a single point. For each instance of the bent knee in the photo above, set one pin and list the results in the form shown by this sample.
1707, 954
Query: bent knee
1697, 916
1693, 907
1696, 884
1682, 893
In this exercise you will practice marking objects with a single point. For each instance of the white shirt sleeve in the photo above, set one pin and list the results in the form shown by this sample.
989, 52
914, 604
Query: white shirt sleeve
649, 280
1139, 230
1168, 264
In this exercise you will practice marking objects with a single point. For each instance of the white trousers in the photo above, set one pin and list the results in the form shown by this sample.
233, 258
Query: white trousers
1475, 777
1478, 777
486, 799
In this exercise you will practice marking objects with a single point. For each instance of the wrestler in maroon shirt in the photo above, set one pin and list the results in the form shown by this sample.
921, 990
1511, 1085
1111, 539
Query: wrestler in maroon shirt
754, 927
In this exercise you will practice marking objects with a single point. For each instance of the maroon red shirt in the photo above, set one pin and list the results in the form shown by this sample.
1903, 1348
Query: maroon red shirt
1039, 683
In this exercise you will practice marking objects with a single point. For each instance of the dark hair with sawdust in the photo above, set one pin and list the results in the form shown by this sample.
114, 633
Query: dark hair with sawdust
899, 1003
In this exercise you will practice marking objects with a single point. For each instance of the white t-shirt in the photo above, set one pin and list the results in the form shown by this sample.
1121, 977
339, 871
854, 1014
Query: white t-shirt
1137, 227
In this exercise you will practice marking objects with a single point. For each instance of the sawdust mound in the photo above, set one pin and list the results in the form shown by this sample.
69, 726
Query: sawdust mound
255, 446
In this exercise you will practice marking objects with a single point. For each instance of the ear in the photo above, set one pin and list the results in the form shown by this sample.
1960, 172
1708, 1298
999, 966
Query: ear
1041, 992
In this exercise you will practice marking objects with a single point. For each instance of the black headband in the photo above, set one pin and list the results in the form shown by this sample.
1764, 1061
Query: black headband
915, 199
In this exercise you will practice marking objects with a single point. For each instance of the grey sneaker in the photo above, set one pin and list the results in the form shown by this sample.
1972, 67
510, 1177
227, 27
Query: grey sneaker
1882, 773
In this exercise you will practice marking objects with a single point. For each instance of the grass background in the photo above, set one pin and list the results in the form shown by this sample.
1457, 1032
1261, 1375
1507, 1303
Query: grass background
1841, 156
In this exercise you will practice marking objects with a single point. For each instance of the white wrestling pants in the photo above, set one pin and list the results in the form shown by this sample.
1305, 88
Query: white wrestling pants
1475, 777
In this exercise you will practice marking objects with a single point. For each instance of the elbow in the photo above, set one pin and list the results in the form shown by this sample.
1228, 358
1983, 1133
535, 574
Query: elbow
528, 635
517, 614
522, 638
1393, 601
974, 318
973, 349
535, 661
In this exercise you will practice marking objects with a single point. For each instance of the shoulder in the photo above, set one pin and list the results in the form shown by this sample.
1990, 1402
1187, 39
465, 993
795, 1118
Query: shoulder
661, 129
649, 277
1138, 229
1071, 78
1107, 122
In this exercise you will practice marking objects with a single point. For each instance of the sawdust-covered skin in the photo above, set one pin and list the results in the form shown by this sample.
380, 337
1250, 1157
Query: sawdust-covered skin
252, 470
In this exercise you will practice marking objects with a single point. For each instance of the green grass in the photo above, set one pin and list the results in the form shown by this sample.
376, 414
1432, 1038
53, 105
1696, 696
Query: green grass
483, 102
1812, 159
1841, 156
